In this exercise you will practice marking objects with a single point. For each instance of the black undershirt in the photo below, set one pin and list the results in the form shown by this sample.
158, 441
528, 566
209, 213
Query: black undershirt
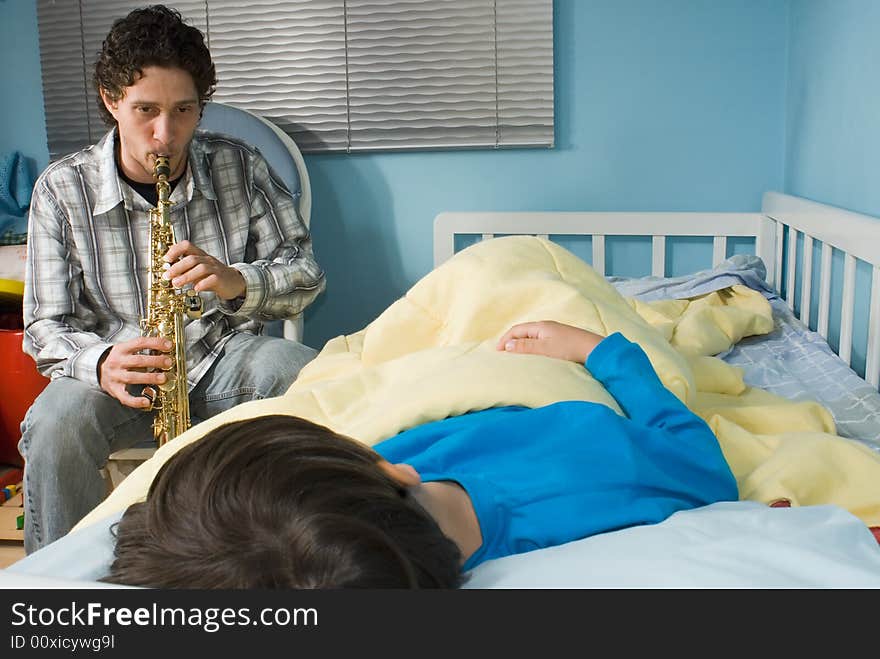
147, 190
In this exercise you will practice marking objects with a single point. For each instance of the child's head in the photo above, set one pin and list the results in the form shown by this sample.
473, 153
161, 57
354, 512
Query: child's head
280, 502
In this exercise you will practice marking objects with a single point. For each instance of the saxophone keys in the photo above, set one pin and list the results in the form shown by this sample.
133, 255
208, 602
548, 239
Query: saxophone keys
193, 304
150, 394
170, 383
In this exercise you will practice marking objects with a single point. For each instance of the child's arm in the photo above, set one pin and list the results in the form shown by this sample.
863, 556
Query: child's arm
620, 365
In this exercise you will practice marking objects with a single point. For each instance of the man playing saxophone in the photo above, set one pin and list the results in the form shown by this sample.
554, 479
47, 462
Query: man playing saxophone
240, 244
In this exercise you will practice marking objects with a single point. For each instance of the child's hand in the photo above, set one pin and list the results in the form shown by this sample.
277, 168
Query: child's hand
550, 339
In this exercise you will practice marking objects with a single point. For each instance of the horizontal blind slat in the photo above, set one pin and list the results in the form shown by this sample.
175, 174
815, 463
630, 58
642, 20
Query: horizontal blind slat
286, 62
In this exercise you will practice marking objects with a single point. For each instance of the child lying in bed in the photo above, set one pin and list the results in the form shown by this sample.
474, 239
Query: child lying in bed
280, 502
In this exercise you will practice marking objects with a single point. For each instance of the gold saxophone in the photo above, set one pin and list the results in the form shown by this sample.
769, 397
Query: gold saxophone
165, 308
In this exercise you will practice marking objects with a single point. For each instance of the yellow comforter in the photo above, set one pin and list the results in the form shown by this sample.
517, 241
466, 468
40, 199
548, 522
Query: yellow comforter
432, 354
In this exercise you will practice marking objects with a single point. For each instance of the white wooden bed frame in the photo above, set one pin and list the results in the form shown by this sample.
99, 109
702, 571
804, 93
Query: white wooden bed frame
856, 236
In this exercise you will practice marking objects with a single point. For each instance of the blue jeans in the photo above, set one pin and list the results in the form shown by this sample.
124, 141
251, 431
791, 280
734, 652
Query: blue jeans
71, 429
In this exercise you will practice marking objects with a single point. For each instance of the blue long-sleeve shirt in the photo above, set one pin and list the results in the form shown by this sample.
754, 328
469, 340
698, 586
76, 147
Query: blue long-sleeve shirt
545, 476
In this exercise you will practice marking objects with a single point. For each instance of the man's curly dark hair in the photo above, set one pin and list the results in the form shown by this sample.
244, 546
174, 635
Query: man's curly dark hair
151, 36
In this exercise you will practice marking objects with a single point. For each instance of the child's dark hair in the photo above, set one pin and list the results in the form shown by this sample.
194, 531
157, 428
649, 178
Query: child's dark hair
151, 36
280, 502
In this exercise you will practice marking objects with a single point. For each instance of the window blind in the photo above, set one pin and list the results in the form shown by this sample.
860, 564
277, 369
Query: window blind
338, 75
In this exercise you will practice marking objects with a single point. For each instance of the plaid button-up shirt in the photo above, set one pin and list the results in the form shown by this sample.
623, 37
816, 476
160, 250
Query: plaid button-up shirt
88, 259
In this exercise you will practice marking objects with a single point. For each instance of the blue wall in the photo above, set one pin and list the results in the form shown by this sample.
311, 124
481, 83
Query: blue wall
832, 150
832, 145
673, 105
22, 120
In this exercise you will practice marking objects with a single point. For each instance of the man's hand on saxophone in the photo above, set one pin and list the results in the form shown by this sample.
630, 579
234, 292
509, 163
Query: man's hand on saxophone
128, 363
191, 265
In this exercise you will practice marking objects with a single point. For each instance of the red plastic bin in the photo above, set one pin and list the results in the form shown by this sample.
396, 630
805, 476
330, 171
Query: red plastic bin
20, 384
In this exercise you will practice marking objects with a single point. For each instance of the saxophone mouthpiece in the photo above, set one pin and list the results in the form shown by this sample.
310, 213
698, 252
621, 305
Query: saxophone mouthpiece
162, 166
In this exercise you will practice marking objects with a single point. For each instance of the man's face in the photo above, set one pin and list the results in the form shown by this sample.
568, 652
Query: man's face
157, 115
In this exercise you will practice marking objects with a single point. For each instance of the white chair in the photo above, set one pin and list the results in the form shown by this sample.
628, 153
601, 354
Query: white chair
287, 161
282, 153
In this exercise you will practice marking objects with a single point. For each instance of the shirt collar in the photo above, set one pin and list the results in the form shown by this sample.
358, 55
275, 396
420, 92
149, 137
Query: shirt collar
110, 189
111, 193
199, 165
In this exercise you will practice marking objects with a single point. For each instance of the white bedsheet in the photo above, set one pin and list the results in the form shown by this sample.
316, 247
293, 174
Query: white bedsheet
726, 545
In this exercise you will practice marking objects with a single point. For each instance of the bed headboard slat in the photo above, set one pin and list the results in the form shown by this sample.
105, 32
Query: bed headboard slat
719, 249
658, 256
872, 359
807, 283
792, 267
847, 308
765, 246
777, 257
824, 291
599, 253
